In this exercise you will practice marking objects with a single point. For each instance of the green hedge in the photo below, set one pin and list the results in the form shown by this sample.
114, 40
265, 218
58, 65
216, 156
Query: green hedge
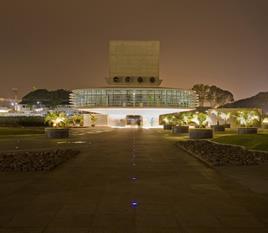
26, 121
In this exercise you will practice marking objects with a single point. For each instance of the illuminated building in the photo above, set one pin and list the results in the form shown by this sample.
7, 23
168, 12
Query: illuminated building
134, 95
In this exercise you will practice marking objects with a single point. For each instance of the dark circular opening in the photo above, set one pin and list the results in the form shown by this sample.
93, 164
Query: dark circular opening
116, 79
127, 79
152, 79
140, 79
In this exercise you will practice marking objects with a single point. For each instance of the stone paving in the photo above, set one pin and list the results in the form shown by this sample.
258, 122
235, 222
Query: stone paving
129, 181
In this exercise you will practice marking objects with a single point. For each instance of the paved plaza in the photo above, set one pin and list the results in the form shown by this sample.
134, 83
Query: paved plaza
126, 181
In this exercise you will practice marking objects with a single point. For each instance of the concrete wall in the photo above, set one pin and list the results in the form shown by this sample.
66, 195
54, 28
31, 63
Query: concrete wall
117, 116
134, 58
102, 120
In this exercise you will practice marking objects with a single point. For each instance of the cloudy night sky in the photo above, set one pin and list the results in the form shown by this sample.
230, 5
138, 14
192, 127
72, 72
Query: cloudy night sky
64, 44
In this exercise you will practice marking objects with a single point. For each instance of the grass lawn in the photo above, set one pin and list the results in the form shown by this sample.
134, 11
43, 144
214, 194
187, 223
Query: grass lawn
8, 131
254, 141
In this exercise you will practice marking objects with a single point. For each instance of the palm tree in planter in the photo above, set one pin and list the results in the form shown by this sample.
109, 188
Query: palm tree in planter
225, 116
220, 116
201, 121
248, 121
169, 121
182, 123
93, 120
265, 123
77, 120
59, 125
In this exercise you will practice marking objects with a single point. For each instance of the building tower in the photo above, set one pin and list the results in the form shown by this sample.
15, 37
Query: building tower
134, 63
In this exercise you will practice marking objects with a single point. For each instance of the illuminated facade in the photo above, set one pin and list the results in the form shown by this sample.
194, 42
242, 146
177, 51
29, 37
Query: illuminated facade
134, 96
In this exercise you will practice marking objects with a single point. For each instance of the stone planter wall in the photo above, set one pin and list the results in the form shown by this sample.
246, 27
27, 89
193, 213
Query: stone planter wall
167, 127
218, 128
226, 126
247, 130
180, 129
200, 133
57, 132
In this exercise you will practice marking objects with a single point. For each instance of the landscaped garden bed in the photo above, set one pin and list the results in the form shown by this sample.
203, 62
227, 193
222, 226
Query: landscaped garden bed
29, 161
250, 141
217, 154
7, 131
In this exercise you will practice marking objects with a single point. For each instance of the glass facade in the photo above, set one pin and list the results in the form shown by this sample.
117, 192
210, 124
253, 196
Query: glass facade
133, 97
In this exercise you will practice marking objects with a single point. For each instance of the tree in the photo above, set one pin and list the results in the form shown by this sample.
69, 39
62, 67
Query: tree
47, 98
202, 91
222, 97
212, 94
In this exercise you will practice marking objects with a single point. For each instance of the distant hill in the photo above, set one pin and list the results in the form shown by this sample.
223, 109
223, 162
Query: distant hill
258, 101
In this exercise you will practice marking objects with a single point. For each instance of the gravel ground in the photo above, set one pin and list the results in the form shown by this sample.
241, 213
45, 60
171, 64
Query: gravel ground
26, 161
217, 154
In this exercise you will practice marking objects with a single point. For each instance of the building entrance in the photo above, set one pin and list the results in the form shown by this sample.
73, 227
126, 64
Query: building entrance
134, 120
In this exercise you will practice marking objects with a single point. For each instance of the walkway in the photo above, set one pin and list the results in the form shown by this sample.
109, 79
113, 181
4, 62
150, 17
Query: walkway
129, 181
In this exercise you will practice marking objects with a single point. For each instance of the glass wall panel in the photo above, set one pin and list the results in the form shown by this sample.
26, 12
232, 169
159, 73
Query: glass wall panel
134, 97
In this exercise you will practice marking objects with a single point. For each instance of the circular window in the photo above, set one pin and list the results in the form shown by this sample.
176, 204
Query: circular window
140, 79
152, 79
127, 79
116, 79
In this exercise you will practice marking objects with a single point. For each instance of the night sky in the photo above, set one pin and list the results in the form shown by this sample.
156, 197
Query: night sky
64, 44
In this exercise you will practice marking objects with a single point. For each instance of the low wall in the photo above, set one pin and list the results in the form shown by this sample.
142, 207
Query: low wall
200, 133
247, 130
100, 120
180, 129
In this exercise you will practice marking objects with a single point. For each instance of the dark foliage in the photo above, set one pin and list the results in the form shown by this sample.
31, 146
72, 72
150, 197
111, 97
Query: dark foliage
214, 95
18, 121
47, 98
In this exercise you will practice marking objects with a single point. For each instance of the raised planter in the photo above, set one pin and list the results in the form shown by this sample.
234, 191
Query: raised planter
167, 127
218, 128
57, 132
200, 133
226, 126
180, 129
250, 130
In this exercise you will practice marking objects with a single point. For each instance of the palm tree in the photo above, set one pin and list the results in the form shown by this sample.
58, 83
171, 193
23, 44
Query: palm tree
77, 119
200, 119
56, 119
184, 118
93, 120
248, 118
